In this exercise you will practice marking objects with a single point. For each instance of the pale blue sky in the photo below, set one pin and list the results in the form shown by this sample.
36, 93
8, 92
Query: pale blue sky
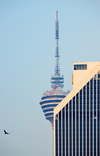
27, 49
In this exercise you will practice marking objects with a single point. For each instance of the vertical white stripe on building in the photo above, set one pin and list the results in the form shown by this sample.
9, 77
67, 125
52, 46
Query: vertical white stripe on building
93, 121
79, 111
68, 130
89, 123
96, 115
58, 134
82, 125
75, 128
61, 133
72, 123
65, 129
86, 119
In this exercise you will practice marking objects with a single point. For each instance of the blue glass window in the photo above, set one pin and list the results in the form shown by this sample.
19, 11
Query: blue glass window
80, 67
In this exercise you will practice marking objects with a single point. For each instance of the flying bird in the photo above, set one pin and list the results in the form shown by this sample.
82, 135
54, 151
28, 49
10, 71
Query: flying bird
6, 132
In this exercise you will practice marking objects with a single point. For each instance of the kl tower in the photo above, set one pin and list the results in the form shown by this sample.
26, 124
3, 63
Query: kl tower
53, 97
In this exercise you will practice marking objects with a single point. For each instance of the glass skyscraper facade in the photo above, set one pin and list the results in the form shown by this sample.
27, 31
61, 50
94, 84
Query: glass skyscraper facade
77, 118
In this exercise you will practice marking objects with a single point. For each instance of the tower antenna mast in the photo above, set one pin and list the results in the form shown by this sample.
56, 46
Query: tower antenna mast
57, 69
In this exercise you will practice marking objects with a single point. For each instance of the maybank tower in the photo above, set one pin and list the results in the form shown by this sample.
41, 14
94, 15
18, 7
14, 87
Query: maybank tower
77, 117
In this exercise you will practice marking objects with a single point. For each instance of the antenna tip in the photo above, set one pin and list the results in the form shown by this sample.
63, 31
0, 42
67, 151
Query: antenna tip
56, 15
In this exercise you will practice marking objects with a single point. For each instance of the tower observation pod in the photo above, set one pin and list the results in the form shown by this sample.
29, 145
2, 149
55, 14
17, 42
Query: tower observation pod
53, 97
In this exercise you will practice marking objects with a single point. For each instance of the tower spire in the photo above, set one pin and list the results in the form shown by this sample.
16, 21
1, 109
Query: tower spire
57, 80
57, 69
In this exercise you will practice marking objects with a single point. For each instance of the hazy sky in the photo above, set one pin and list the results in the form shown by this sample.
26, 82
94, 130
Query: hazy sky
27, 49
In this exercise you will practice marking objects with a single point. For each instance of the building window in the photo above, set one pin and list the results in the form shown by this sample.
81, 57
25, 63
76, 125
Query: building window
80, 67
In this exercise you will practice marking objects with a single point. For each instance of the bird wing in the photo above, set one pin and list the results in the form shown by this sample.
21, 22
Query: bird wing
6, 132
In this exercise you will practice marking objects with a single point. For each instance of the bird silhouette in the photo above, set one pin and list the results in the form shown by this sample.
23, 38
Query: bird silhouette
6, 132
